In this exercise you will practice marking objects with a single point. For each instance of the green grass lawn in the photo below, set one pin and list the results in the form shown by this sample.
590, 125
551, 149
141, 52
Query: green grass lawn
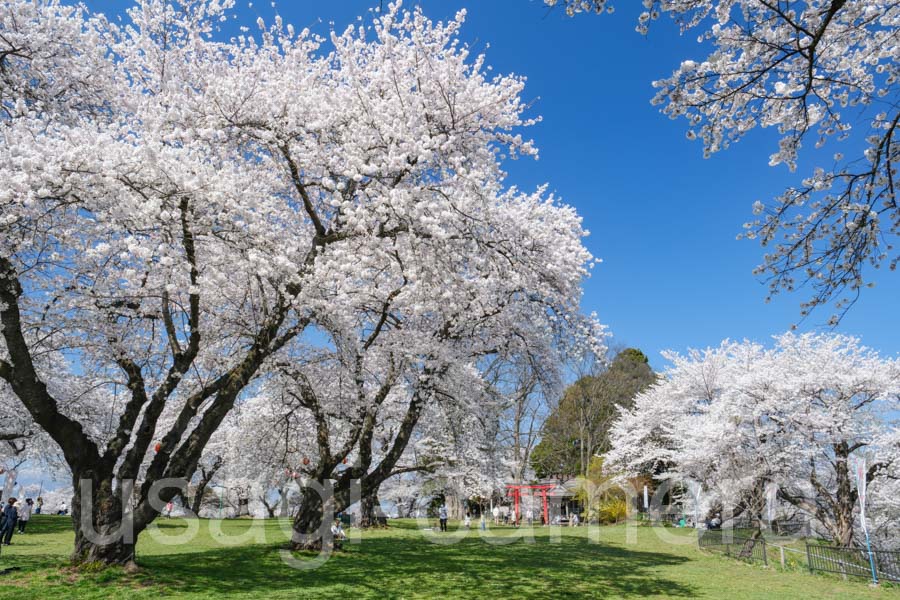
402, 562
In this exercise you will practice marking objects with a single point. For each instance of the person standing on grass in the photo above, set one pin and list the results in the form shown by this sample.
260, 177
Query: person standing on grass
25, 514
442, 513
10, 516
39, 506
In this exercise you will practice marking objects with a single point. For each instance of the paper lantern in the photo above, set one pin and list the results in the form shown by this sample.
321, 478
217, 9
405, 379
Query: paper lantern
305, 460
157, 447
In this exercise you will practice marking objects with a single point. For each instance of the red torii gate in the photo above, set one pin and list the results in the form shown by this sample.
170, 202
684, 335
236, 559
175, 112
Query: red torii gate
515, 490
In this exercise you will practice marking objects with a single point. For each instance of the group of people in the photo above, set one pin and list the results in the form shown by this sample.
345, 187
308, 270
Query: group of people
13, 515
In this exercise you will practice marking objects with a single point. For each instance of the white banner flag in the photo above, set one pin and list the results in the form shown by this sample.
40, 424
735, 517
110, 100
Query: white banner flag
9, 484
861, 490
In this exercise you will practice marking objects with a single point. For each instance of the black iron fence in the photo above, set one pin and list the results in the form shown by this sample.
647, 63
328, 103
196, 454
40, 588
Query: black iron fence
736, 546
854, 562
788, 527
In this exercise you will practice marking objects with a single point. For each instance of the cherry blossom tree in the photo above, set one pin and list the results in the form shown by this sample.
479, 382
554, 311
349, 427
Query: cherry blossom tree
823, 74
402, 170
178, 210
141, 262
814, 70
741, 417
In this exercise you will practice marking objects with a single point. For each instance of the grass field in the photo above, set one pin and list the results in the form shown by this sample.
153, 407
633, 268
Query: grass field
402, 562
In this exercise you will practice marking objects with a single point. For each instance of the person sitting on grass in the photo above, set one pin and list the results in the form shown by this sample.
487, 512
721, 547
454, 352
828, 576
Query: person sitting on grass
10, 516
337, 530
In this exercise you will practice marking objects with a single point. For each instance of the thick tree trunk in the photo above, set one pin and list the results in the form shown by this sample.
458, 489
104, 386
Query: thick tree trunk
313, 521
102, 531
312, 527
845, 498
369, 510
455, 504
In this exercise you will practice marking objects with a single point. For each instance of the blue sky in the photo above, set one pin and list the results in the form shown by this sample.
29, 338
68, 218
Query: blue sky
663, 219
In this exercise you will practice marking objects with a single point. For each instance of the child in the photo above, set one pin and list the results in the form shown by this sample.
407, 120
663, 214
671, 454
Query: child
468, 521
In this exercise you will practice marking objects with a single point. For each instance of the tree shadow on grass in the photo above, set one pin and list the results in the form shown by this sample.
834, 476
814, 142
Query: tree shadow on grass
412, 566
49, 524
30, 551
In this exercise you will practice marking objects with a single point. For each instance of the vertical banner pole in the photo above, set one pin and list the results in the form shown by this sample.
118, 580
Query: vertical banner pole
861, 493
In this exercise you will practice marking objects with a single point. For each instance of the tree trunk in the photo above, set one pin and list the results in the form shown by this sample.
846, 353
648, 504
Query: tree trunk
206, 476
270, 509
455, 504
410, 506
845, 499
102, 533
750, 543
197, 502
284, 509
243, 507
369, 507
311, 526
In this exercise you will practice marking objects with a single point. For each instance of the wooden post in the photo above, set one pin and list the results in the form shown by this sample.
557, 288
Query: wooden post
781, 548
544, 503
516, 512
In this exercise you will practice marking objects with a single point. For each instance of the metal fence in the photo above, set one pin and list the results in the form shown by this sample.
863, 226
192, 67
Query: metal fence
736, 546
790, 527
854, 562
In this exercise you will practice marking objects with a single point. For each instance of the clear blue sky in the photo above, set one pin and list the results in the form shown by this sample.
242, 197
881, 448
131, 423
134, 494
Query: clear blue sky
662, 218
